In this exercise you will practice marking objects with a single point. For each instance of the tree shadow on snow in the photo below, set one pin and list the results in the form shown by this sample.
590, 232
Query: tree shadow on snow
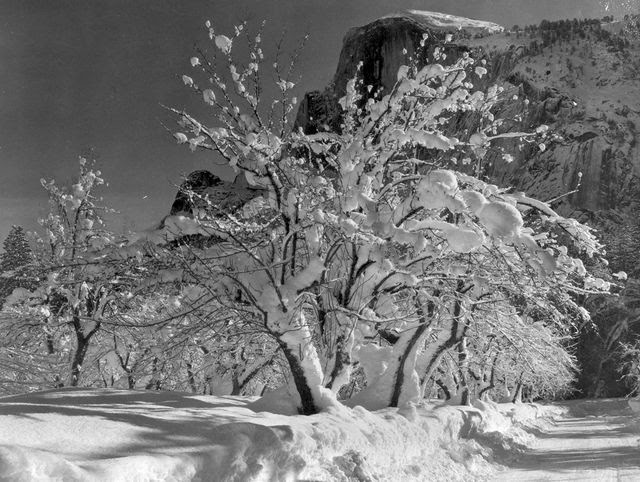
157, 420
574, 453
582, 460
104, 397
587, 427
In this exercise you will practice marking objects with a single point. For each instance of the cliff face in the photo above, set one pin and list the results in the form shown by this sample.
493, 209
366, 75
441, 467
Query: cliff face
382, 47
580, 79
202, 190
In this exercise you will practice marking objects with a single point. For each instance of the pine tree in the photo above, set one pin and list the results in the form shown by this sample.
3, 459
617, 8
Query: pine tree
14, 263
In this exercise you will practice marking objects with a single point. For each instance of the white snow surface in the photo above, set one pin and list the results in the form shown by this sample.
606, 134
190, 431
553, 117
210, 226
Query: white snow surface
443, 21
117, 435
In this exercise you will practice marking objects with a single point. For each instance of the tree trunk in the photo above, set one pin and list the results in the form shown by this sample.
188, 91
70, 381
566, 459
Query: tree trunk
342, 362
154, 382
336, 329
406, 368
308, 404
239, 381
191, 377
81, 348
463, 364
294, 337
484, 393
236, 387
407, 363
594, 389
444, 388
452, 332
399, 382
78, 358
517, 396
437, 348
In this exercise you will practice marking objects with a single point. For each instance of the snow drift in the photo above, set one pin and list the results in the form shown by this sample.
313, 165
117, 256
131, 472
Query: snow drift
112, 435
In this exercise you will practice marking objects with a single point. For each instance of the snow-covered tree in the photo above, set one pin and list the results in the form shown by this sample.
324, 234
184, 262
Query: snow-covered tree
629, 369
16, 270
83, 274
361, 252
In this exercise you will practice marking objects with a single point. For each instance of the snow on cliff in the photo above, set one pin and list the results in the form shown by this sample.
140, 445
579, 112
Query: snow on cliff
443, 21
116, 435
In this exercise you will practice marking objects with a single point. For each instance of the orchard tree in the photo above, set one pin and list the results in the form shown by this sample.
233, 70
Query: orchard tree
85, 277
360, 252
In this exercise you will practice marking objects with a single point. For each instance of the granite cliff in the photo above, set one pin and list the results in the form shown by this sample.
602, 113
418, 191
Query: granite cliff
201, 188
578, 77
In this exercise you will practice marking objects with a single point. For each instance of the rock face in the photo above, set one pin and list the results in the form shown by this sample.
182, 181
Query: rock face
581, 78
578, 78
382, 47
204, 190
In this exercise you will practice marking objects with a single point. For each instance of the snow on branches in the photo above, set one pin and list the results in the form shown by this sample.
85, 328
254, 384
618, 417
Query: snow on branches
367, 236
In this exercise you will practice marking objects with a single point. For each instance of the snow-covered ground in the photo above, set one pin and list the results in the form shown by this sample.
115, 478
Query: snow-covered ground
88, 435
597, 440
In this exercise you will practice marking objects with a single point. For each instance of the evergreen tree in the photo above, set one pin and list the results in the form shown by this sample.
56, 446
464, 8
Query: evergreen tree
14, 263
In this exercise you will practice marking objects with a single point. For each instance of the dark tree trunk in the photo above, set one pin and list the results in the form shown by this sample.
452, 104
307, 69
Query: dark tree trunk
594, 389
463, 364
444, 388
517, 396
48, 338
191, 377
208, 389
435, 356
342, 362
78, 359
408, 352
50, 348
307, 403
81, 348
236, 387
484, 393
239, 382
154, 383
448, 338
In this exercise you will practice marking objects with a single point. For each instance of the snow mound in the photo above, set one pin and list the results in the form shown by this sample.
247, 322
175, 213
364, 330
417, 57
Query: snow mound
501, 219
117, 435
443, 21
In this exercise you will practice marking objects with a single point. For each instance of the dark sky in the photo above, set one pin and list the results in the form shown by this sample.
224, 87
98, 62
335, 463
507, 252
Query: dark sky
88, 76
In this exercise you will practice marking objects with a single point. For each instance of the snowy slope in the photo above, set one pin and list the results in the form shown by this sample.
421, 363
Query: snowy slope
443, 21
83, 435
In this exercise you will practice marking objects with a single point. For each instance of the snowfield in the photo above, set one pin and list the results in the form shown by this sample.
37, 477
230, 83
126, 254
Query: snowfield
116, 435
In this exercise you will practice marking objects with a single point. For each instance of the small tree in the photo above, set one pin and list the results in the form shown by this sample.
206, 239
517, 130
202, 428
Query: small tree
629, 369
84, 274
16, 270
